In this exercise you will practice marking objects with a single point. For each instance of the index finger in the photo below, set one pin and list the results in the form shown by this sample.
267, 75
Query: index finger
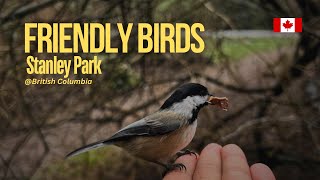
234, 164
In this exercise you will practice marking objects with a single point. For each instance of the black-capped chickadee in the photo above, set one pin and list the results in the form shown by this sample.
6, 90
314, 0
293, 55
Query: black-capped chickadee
160, 136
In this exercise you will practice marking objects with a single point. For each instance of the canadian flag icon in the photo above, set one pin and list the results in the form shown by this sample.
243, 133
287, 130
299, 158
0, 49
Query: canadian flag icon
289, 25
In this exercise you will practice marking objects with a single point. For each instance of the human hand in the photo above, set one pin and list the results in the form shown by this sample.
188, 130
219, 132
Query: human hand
220, 163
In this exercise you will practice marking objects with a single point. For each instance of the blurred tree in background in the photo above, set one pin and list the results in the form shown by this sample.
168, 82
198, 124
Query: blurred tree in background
272, 84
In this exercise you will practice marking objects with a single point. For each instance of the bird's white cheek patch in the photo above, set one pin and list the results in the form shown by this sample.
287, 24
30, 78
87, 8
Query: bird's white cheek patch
188, 105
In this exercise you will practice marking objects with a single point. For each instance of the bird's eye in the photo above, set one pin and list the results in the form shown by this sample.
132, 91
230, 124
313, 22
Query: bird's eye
203, 92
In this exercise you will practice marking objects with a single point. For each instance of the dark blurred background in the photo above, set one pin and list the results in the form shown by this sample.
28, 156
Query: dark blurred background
272, 81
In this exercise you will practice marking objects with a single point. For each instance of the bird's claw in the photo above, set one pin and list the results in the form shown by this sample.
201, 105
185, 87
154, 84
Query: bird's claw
184, 152
172, 167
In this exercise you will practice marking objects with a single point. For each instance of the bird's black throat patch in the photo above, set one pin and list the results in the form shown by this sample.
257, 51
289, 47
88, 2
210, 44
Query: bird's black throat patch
195, 113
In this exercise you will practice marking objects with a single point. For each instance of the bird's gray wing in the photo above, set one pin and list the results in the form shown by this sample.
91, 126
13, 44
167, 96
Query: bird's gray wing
156, 124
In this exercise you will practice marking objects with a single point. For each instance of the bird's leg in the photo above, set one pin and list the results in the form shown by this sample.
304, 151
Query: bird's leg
160, 163
184, 152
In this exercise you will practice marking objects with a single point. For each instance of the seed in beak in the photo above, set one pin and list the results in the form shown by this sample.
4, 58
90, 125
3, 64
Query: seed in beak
221, 102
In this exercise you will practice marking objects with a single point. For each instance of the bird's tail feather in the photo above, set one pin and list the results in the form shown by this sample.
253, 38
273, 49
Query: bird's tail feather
88, 148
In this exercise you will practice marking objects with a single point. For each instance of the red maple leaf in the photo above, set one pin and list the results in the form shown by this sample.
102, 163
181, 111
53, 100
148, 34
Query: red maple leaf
287, 25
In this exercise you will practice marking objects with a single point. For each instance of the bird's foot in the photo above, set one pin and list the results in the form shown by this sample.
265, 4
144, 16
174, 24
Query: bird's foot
184, 152
172, 167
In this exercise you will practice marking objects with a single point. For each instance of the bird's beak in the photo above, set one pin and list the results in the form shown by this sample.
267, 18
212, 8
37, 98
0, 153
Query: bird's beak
221, 102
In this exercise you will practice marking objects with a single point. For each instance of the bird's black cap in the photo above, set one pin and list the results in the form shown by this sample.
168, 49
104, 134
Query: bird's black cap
189, 89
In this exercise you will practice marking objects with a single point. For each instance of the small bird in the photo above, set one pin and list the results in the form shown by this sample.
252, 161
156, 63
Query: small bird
162, 135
